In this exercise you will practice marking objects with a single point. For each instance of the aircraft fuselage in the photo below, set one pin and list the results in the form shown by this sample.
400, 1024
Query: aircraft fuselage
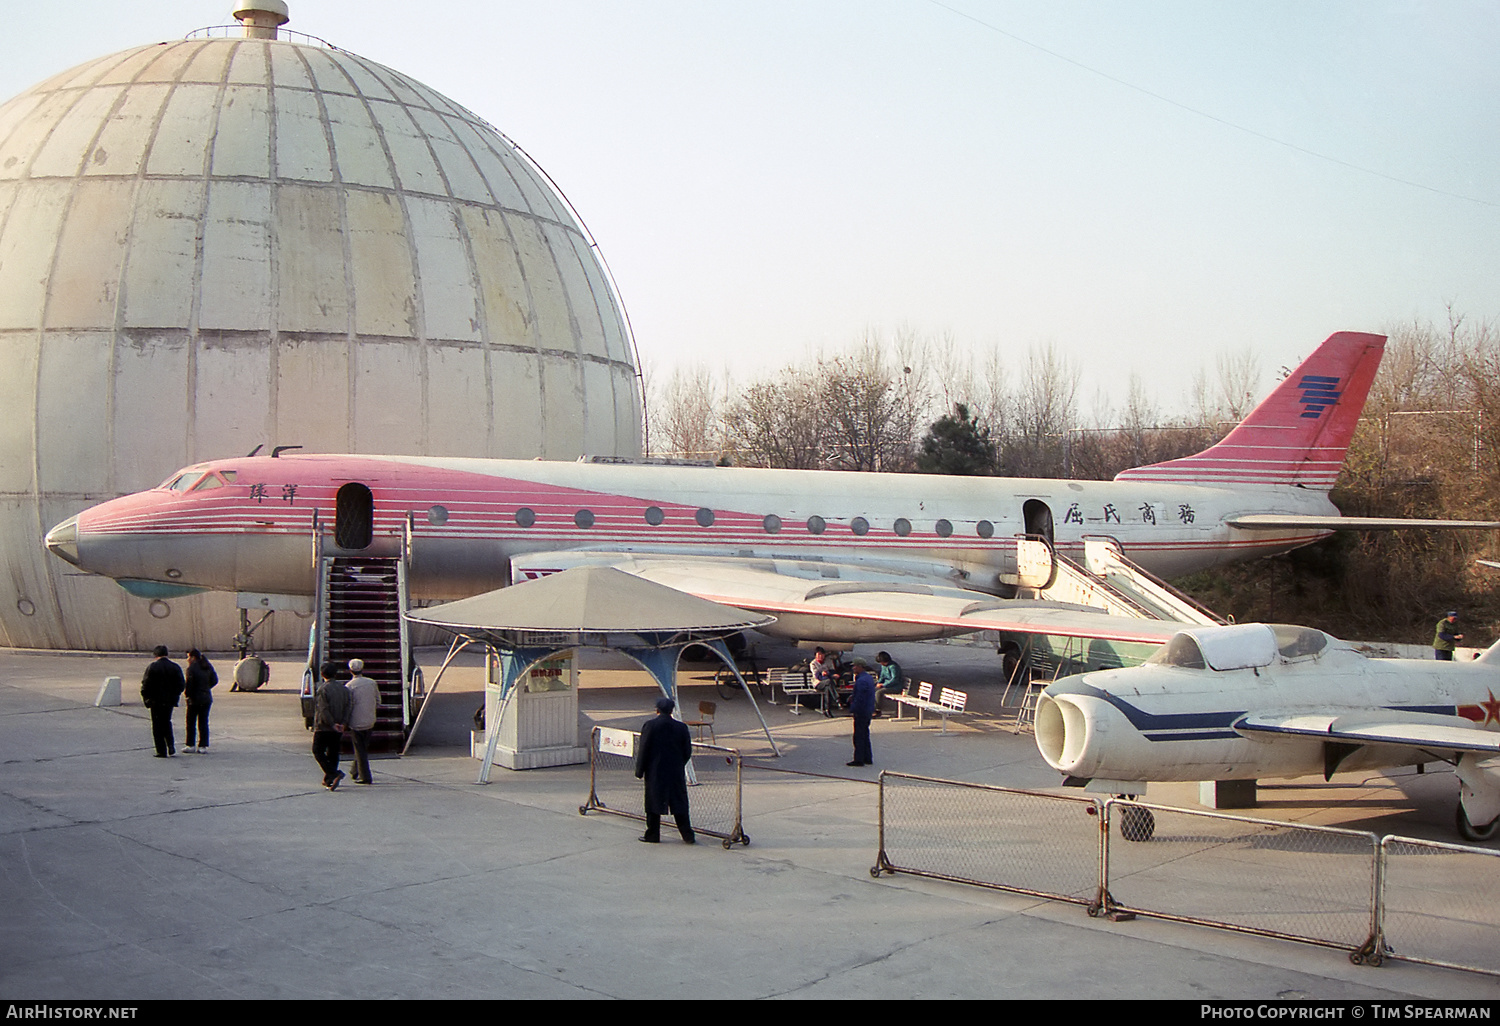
246, 524
1167, 723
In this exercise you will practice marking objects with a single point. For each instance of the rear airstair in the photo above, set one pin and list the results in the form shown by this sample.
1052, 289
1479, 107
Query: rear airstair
1105, 580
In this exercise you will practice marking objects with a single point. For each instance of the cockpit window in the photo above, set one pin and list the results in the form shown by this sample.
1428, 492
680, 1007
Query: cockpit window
209, 481
1296, 642
229, 475
182, 482
1181, 651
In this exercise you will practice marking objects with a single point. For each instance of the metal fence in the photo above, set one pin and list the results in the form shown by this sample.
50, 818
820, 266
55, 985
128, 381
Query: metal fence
1397, 897
1440, 904
1022, 841
715, 784
1306, 883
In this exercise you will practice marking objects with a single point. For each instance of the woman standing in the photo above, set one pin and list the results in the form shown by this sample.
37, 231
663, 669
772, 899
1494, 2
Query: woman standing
201, 678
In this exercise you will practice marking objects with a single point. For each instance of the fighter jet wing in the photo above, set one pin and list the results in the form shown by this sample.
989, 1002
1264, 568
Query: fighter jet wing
871, 598
1377, 727
1284, 521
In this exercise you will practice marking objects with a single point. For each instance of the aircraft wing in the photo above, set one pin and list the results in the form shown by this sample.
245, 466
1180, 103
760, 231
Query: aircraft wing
1375, 727
1284, 521
853, 599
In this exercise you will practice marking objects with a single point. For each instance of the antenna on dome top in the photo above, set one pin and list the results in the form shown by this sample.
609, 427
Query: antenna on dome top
261, 18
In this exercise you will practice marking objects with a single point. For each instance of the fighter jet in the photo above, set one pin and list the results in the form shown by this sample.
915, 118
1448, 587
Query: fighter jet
1249, 701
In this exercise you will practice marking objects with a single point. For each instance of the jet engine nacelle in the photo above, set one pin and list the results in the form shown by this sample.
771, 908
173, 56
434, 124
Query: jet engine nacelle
1084, 736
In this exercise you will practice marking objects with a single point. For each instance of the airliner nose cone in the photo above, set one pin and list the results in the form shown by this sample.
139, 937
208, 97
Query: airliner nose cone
62, 540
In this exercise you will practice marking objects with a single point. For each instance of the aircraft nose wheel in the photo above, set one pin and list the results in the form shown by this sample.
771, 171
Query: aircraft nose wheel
1469, 832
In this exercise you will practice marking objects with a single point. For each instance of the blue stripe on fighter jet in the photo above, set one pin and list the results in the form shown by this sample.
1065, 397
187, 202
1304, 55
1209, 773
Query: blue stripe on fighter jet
1194, 726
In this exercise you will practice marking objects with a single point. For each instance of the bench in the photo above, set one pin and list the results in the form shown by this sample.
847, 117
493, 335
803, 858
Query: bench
949, 703
794, 681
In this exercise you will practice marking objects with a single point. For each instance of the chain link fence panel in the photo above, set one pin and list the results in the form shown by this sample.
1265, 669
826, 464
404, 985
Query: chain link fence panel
715, 787
1440, 904
1022, 841
1286, 880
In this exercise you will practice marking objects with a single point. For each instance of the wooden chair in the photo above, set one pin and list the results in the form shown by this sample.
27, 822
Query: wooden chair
705, 718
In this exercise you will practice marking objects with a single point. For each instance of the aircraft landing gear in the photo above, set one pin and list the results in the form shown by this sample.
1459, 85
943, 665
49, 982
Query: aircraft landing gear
1469, 832
1137, 824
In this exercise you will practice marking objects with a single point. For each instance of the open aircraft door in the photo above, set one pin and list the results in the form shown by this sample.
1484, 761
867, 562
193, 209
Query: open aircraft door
1036, 554
354, 516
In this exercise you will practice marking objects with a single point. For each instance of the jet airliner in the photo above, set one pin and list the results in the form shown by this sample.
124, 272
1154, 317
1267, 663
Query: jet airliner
841, 557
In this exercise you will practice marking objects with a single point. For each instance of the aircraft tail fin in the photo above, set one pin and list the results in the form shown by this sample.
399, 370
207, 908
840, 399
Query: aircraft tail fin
1299, 434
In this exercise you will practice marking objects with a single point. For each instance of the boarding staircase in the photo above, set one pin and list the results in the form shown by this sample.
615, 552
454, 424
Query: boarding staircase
1105, 579
359, 601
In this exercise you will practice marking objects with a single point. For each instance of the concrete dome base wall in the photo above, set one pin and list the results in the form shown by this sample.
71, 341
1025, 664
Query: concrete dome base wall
214, 244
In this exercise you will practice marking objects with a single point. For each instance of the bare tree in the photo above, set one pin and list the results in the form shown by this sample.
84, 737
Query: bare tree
1232, 391
781, 422
873, 420
1046, 408
687, 420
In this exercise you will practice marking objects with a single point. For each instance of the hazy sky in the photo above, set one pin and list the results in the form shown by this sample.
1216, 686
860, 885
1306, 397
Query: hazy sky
1146, 184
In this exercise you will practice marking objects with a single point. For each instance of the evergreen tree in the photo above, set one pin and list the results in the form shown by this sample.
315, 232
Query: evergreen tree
958, 444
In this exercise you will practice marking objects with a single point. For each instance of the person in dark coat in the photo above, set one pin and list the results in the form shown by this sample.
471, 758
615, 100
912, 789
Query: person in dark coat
201, 678
663, 751
161, 685
330, 717
862, 706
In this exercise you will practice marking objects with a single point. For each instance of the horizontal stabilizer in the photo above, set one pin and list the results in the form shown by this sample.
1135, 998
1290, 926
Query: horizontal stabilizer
1294, 521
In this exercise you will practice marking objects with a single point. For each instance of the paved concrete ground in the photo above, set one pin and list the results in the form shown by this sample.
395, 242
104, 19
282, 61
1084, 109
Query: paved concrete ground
236, 875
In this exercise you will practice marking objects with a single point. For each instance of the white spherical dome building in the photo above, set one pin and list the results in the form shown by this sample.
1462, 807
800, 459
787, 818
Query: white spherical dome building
219, 243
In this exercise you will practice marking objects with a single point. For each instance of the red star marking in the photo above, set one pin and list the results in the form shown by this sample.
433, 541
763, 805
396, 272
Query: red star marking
1491, 709
1484, 712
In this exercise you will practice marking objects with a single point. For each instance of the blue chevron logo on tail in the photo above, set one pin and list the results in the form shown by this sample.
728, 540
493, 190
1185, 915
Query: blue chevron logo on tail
1318, 394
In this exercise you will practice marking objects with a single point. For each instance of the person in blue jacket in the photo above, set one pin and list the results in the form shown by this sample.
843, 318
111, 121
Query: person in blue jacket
862, 707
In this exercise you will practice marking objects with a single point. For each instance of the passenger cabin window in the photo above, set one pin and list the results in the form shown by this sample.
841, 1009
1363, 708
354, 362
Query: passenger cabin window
1181, 651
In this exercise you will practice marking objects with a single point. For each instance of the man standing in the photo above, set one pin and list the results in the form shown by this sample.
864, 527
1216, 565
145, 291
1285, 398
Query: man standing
1446, 637
364, 703
664, 749
161, 686
329, 720
862, 706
